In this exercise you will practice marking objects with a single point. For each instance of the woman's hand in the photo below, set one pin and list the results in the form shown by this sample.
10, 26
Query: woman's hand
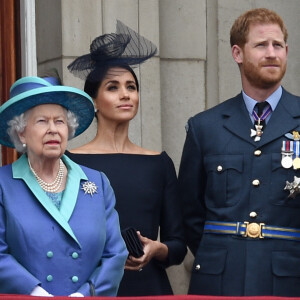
40, 292
76, 295
152, 249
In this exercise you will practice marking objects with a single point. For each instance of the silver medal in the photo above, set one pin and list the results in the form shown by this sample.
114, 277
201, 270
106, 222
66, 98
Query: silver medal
287, 161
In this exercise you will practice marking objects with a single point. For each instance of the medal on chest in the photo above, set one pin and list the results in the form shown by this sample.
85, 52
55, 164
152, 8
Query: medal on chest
296, 161
293, 187
256, 133
290, 152
287, 154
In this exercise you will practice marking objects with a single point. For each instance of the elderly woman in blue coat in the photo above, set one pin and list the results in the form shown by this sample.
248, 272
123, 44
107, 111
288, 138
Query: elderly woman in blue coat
59, 231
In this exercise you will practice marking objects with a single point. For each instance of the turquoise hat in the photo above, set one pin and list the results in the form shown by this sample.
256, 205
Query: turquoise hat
29, 92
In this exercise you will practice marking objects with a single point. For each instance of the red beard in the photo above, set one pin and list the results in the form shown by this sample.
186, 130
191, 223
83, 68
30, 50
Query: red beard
262, 77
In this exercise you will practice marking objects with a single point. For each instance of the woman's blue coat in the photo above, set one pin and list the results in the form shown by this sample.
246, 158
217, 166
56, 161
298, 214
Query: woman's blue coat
59, 250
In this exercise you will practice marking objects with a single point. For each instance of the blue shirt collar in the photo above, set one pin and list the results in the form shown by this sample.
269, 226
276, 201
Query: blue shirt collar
272, 99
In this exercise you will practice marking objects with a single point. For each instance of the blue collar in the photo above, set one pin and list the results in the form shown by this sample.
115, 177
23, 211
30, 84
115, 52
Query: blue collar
272, 99
21, 170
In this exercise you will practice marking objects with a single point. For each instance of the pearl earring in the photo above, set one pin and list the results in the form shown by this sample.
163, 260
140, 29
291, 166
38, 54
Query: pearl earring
24, 145
96, 110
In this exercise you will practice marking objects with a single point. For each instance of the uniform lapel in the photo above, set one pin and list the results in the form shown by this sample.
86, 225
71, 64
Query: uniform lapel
283, 119
237, 119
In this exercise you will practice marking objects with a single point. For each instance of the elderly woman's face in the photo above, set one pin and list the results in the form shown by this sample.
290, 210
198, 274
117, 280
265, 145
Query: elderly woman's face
46, 132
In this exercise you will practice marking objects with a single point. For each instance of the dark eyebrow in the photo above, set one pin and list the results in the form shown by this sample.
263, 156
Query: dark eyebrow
112, 82
117, 82
130, 82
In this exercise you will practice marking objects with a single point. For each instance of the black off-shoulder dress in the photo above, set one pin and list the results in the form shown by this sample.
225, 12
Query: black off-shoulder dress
147, 198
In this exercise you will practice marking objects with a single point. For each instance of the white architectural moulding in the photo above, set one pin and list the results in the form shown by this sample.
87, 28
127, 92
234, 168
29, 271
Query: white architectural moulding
28, 38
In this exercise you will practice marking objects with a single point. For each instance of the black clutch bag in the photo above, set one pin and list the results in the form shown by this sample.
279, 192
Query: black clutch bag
132, 241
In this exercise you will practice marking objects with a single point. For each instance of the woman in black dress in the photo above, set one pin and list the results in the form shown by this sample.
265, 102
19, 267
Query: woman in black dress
144, 181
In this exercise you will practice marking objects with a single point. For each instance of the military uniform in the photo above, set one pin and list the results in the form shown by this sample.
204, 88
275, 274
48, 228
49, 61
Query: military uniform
228, 180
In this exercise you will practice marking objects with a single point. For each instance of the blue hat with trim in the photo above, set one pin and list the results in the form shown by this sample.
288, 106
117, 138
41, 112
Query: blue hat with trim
29, 92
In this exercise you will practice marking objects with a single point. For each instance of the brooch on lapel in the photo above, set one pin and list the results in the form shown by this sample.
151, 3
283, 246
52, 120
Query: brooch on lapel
293, 187
89, 188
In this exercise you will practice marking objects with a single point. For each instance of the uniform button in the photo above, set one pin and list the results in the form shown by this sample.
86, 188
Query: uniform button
197, 267
49, 254
256, 182
253, 214
257, 152
74, 279
75, 255
219, 168
49, 278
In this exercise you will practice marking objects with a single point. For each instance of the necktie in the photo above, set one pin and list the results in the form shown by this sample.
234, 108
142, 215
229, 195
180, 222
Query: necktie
263, 110
260, 112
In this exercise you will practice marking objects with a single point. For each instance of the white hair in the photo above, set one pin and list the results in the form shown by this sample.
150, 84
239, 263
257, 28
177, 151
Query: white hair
18, 124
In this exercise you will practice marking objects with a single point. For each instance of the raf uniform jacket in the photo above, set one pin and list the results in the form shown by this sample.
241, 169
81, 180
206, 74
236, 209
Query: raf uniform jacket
226, 176
64, 251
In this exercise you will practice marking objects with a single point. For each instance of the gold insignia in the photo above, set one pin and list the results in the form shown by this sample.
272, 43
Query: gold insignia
296, 136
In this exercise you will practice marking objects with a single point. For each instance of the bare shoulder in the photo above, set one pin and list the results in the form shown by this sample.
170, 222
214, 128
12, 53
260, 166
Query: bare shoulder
93, 149
144, 151
151, 152
87, 148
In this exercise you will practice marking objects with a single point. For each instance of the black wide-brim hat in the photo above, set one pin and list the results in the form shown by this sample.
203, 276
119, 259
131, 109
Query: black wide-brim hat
125, 47
29, 92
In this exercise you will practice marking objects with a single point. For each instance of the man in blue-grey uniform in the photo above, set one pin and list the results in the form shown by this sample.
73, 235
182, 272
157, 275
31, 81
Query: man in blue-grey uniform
240, 174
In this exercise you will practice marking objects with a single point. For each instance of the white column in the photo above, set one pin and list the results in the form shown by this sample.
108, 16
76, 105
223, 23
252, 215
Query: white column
28, 38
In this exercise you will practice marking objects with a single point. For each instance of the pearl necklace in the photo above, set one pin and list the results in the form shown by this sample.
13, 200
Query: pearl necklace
53, 186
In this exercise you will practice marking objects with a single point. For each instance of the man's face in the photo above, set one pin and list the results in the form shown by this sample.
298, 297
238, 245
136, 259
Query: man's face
263, 58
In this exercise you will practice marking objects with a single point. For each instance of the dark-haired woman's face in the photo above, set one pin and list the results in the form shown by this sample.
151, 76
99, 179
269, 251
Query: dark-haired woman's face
118, 98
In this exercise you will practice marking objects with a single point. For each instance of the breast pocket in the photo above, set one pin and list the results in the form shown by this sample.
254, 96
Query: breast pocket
224, 179
279, 177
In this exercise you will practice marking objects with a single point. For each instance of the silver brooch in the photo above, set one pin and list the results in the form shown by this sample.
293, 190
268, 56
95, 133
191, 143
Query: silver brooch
293, 187
89, 188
